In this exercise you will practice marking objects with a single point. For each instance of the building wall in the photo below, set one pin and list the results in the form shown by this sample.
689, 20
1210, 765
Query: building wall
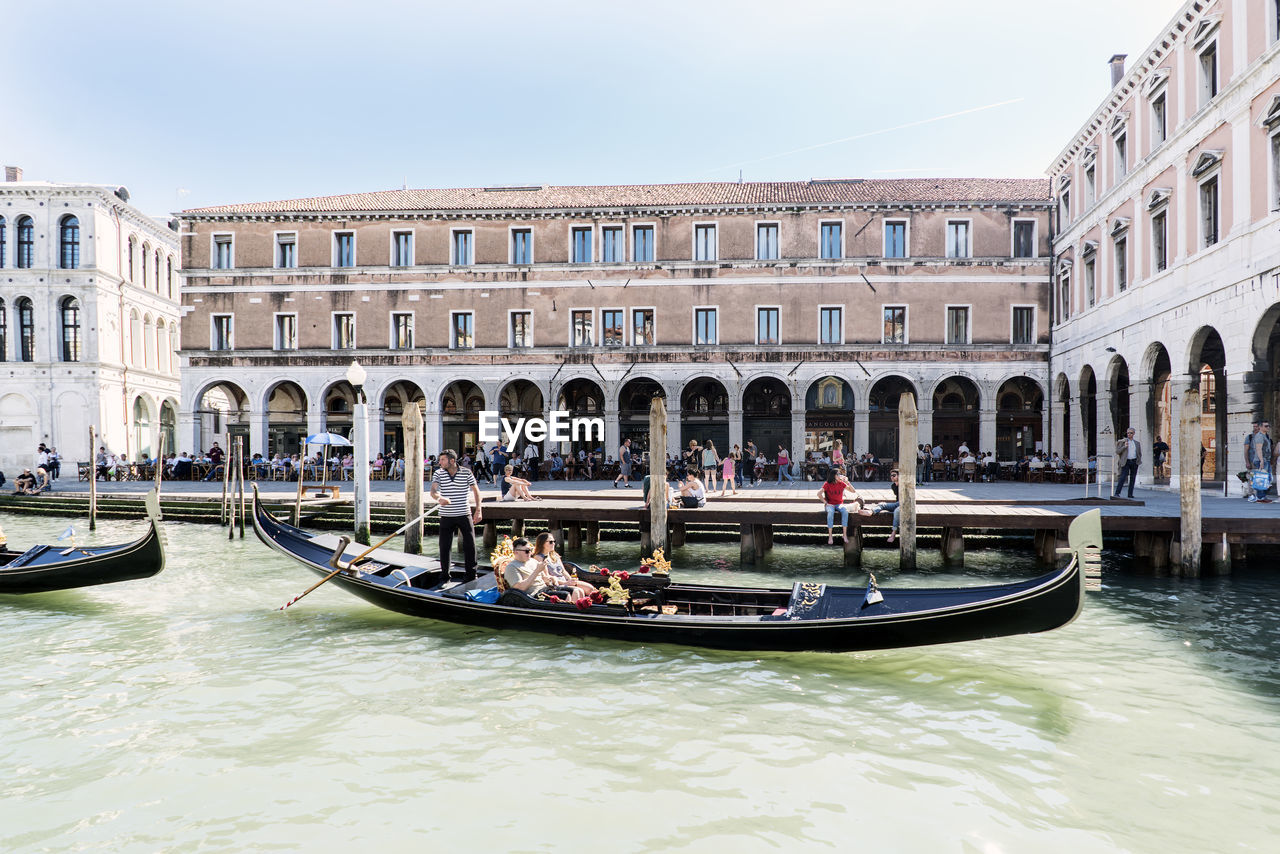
55, 400
861, 281
1225, 291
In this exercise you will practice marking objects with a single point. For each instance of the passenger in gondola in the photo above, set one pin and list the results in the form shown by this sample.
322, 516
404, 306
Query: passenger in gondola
544, 550
531, 576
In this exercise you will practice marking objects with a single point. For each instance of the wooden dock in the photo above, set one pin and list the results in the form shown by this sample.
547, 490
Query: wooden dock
1156, 533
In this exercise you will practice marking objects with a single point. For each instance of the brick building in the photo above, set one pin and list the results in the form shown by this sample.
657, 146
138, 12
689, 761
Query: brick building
788, 313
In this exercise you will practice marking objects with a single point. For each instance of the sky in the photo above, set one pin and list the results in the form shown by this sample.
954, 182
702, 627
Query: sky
190, 104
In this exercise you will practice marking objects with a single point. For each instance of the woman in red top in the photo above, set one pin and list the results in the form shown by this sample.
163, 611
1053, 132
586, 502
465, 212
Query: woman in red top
832, 495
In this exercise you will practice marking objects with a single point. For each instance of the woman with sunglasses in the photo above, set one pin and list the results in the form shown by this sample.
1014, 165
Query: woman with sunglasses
544, 551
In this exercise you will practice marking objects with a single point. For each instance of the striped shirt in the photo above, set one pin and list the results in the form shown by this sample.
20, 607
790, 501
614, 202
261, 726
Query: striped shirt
457, 489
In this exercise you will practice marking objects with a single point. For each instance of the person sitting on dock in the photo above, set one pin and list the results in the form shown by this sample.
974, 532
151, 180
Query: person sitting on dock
544, 550
888, 505
25, 483
517, 487
692, 493
832, 497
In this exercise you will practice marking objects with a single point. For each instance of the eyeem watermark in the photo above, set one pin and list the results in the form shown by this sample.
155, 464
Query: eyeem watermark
561, 428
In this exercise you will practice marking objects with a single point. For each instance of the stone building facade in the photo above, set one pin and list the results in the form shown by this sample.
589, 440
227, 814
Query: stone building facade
789, 313
1167, 253
88, 322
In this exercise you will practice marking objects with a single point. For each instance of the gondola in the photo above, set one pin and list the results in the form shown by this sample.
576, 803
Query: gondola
808, 616
41, 569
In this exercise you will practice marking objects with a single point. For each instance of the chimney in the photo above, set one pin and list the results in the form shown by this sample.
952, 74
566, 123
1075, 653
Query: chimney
13, 173
1117, 68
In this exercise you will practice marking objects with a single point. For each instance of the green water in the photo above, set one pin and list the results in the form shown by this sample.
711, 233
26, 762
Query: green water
185, 714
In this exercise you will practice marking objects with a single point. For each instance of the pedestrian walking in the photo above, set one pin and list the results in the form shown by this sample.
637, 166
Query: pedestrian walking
624, 464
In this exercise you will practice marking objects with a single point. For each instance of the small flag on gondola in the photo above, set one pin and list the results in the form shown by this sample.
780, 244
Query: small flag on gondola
873, 593
70, 532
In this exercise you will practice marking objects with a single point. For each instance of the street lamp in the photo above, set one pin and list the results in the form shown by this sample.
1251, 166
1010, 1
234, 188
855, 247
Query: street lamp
356, 375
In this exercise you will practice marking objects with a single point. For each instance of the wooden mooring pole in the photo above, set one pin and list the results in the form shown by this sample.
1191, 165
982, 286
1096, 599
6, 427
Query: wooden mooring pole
411, 420
657, 476
908, 438
1189, 439
93, 483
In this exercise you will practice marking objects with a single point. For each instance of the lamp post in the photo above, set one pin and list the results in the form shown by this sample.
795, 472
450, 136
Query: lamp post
356, 376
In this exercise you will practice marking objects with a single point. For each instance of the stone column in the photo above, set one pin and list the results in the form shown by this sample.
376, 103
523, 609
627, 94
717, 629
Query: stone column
433, 431
797, 437
925, 417
735, 429
360, 471
259, 434
861, 431
188, 435
612, 433
986, 430
673, 432
1106, 442
315, 419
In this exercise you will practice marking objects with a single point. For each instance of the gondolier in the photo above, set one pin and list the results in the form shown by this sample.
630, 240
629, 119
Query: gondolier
455, 489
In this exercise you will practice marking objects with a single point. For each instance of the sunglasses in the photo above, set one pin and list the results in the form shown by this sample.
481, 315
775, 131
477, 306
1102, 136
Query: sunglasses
526, 551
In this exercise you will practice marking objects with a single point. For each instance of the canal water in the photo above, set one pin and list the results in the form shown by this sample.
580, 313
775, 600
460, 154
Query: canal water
185, 714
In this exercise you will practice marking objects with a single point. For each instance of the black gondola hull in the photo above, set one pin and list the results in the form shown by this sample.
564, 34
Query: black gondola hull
43, 569
906, 617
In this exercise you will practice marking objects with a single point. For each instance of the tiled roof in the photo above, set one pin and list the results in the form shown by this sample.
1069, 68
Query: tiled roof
816, 192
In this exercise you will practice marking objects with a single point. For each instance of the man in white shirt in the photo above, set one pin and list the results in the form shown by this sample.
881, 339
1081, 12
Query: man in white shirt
1128, 459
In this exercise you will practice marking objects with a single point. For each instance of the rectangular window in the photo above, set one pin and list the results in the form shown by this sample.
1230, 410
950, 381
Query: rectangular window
522, 246
581, 328
402, 330
642, 244
1090, 186
1122, 156
767, 241
704, 243
1208, 73
286, 332
767, 325
1089, 294
462, 335
611, 327
582, 246
344, 249
1024, 324
1209, 212
1275, 172
957, 324
613, 246
463, 249
958, 239
287, 251
831, 243
895, 238
1064, 296
1159, 241
1122, 264
522, 329
402, 249
222, 328
1024, 239
344, 331
831, 325
1064, 207
895, 324
222, 252
704, 326
642, 327
1159, 120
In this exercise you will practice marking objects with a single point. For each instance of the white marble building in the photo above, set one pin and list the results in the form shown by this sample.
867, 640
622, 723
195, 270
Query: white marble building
88, 323
1167, 272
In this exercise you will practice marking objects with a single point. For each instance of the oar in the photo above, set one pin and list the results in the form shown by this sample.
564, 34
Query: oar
334, 560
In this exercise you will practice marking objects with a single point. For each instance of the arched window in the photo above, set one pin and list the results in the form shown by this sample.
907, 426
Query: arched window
170, 277
133, 257
70, 329
142, 269
173, 348
148, 343
26, 242
162, 346
157, 271
69, 243
3, 242
135, 340
26, 331
4, 332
